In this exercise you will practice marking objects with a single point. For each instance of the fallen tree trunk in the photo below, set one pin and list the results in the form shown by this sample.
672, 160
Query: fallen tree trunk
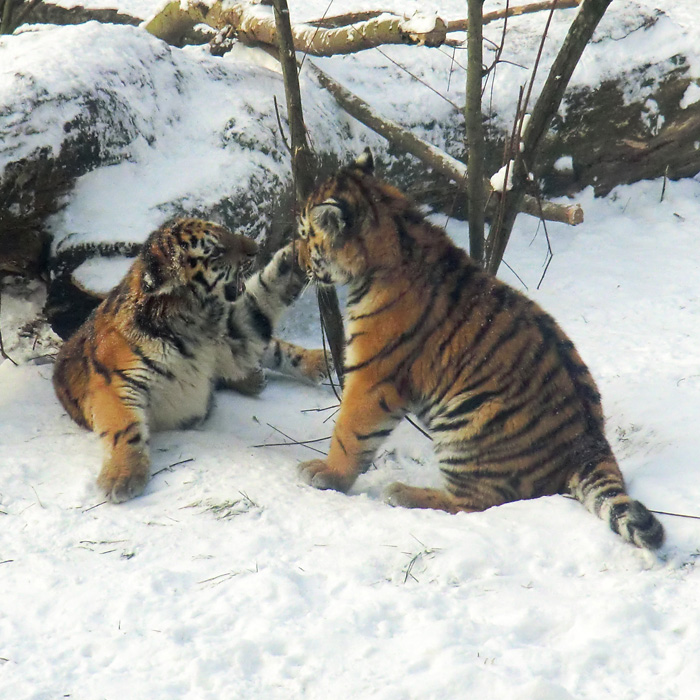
33, 12
612, 141
349, 33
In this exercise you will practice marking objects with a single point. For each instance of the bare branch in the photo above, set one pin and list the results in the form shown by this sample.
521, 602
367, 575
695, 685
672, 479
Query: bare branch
473, 120
461, 25
545, 108
430, 155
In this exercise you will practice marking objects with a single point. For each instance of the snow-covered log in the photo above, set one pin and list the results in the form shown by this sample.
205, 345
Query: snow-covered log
106, 132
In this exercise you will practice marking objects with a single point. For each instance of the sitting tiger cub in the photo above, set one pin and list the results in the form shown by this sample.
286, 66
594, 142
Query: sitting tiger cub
513, 411
180, 323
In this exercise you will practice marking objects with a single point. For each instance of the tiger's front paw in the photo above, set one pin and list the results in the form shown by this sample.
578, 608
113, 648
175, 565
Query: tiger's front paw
120, 483
289, 269
251, 385
318, 474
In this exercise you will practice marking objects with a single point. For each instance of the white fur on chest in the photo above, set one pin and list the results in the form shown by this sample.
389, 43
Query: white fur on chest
185, 399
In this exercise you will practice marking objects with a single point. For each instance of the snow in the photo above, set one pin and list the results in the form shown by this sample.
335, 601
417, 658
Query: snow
230, 579
564, 164
498, 179
420, 23
691, 96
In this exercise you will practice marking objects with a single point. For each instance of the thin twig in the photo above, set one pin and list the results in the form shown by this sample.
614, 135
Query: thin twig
319, 410
295, 442
97, 505
279, 123
174, 464
663, 188
37, 498
499, 51
420, 80
333, 415
520, 279
418, 428
306, 53
452, 65
675, 515
550, 252
289, 444
221, 577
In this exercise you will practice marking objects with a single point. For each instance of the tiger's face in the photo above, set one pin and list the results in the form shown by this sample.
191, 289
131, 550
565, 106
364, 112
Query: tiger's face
335, 224
349, 226
198, 255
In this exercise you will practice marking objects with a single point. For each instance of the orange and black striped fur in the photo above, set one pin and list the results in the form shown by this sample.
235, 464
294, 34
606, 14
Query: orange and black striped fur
180, 323
513, 411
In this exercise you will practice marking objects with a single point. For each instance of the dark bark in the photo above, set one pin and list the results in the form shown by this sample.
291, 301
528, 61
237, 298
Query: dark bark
475, 131
304, 174
613, 141
47, 13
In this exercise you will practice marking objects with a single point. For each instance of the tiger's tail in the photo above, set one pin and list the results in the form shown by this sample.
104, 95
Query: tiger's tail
599, 486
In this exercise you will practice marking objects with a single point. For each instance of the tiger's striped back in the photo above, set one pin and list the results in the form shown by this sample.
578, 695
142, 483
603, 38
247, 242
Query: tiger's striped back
512, 408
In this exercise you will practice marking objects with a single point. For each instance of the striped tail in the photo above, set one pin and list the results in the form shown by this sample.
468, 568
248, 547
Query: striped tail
600, 487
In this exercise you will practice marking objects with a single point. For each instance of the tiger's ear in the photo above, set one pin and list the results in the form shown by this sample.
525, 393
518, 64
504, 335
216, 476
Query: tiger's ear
157, 276
365, 162
329, 218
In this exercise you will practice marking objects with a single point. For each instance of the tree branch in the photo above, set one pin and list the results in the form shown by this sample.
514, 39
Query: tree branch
461, 25
350, 33
577, 38
432, 156
473, 120
304, 172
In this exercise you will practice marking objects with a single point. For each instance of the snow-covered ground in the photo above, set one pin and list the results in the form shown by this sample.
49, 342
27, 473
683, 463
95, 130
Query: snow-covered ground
229, 579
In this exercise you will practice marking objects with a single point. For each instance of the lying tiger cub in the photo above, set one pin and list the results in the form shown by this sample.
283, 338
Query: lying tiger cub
180, 323
513, 411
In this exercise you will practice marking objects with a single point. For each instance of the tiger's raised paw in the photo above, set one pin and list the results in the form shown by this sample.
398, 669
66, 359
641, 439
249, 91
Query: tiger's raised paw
318, 474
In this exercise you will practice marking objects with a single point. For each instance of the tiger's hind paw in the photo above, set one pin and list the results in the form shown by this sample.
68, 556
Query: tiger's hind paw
318, 474
404, 496
315, 365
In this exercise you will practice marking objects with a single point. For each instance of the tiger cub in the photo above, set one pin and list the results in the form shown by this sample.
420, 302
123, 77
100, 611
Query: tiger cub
180, 323
513, 411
